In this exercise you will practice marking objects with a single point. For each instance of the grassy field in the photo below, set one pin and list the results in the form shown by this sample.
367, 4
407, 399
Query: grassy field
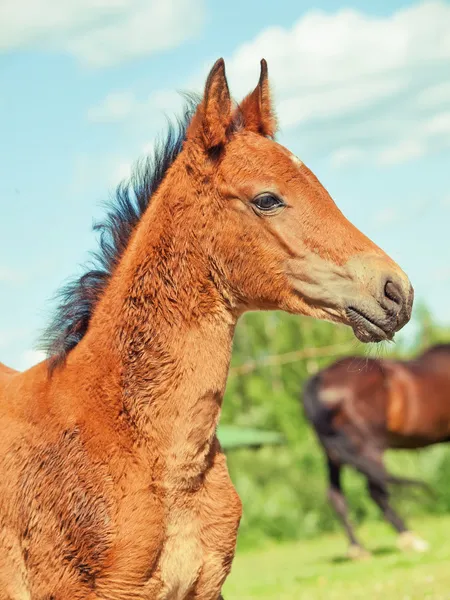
317, 569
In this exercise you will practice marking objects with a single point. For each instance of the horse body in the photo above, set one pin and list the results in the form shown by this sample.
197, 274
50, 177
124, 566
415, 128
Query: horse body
113, 484
362, 407
418, 412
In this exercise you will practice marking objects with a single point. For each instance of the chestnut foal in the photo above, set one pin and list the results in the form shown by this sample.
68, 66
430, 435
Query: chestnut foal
112, 482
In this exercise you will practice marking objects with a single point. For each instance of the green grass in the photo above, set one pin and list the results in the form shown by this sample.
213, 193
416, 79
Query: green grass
317, 569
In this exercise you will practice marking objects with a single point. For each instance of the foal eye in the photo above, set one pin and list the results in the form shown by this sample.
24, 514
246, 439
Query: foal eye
267, 202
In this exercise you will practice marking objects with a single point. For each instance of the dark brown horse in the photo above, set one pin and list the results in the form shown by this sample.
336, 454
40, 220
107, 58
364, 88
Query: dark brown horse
359, 408
113, 484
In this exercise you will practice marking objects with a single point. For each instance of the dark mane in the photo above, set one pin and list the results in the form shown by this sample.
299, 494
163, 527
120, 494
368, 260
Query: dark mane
78, 299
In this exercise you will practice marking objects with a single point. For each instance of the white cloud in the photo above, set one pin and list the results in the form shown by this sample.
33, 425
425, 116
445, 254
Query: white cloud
148, 148
121, 172
115, 107
30, 358
8, 275
435, 95
151, 110
438, 124
351, 96
100, 33
387, 216
124, 105
26, 359
166, 101
351, 85
393, 215
347, 47
438, 275
347, 155
379, 83
401, 152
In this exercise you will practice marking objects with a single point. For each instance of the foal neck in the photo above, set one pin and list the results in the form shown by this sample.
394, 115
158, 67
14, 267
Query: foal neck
163, 334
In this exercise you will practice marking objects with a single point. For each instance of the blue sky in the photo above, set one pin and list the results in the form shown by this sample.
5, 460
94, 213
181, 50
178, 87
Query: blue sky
362, 91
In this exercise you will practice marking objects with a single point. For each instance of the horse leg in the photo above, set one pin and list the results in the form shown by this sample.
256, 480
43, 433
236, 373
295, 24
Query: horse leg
407, 540
380, 496
338, 502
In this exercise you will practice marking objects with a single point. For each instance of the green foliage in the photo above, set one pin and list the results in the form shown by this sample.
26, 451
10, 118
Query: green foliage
283, 488
232, 437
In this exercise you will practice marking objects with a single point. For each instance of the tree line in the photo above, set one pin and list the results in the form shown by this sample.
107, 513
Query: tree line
283, 488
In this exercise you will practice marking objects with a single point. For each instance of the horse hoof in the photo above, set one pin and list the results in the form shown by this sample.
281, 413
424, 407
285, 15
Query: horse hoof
356, 552
410, 541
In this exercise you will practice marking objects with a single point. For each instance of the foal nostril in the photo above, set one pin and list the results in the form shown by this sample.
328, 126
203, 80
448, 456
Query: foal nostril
393, 292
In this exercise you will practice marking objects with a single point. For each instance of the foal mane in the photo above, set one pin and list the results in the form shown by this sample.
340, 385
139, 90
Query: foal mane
79, 297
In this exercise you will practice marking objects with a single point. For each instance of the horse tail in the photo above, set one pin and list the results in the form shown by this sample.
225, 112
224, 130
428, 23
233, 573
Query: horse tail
339, 447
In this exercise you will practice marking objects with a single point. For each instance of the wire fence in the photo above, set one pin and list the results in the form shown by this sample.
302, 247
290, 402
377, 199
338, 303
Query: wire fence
290, 357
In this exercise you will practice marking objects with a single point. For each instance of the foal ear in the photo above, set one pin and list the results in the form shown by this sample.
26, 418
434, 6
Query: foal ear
256, 108
213, 115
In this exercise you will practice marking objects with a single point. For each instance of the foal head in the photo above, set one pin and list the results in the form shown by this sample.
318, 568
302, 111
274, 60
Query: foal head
275, 238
